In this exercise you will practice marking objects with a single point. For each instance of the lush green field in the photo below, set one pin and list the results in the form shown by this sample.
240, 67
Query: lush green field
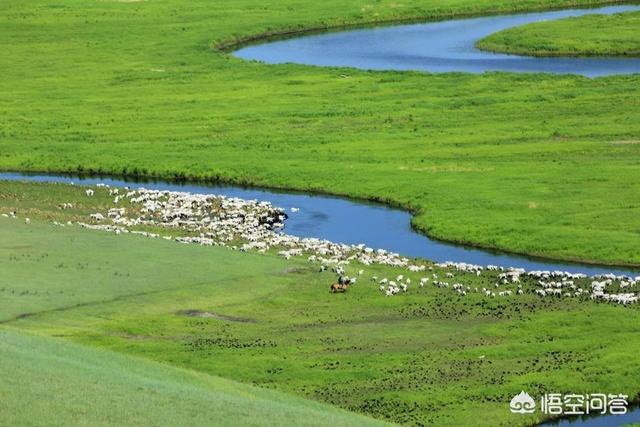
530, 163
591, 35
52, 382
427, 356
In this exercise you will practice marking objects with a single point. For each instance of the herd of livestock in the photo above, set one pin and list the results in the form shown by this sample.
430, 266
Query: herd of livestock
250, 225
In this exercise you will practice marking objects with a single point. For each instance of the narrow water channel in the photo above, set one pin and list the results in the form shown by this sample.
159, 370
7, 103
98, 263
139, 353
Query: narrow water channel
447, 46
346, 221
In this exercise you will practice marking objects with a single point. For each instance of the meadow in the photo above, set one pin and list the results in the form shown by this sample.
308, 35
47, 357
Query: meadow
52, 382
595, 35
535, 164
72, 297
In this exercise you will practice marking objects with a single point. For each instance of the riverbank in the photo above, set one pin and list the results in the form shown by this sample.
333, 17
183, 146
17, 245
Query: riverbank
466, 11
436, 47
599, 35
340, 220
440, 152
388, 357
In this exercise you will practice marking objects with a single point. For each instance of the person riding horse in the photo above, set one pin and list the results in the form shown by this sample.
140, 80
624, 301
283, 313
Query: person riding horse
342, 285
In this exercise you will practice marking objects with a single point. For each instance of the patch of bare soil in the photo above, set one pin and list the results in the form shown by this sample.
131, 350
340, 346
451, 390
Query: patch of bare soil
209, 315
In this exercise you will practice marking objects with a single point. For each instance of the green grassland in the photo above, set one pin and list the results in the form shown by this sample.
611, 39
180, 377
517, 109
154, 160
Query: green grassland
427, 356
48, 381
536, 164
594, 35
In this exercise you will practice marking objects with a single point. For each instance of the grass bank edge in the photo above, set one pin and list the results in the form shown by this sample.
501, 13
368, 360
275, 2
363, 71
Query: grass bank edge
229, 44
514, 41
415, 211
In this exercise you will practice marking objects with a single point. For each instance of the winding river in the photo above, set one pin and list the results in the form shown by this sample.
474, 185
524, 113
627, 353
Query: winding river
346, 221
446, 46
434, 47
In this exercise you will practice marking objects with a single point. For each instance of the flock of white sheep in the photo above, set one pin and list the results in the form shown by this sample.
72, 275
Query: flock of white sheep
509, 282
250, 225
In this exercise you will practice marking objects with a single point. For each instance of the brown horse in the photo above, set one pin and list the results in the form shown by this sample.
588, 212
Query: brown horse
337, 287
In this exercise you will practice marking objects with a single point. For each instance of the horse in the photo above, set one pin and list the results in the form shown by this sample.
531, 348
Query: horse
337, 287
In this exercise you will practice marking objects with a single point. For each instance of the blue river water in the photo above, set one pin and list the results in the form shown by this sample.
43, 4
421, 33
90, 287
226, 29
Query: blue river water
632, 416
344, 220
434, 47
446, 46
347, 221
